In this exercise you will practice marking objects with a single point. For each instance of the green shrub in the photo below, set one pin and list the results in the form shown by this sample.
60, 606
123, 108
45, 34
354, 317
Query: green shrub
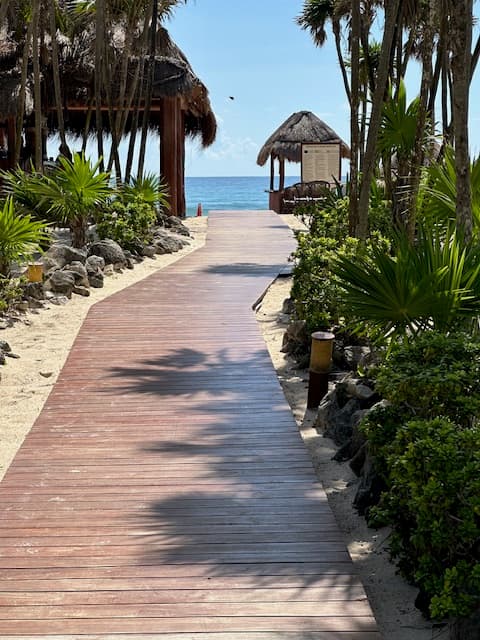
434, 375
433, 507
128, 224
314, 290
11, 292
426, 447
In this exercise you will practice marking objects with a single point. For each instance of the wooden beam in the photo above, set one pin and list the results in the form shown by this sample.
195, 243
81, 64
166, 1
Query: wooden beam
272, 172
169, 126
181, 205
282, 174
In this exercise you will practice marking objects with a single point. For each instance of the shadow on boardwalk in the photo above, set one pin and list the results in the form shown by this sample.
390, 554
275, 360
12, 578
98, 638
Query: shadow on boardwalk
248, 502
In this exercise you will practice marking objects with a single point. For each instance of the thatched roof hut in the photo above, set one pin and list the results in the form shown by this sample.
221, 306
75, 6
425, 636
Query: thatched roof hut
180, 104
285, 143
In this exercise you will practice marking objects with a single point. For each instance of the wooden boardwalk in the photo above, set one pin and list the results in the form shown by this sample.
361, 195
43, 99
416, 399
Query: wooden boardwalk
164, 491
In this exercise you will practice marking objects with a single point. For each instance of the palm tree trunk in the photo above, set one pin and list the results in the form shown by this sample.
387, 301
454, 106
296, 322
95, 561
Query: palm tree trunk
149, 88
23, 91
56, 77
99, 49
461, 32
354, 108
426, 86
3, 10
391, 14
37, 92
338, 46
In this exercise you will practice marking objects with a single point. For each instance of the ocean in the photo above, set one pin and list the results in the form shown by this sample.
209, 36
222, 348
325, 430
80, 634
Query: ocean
245, 192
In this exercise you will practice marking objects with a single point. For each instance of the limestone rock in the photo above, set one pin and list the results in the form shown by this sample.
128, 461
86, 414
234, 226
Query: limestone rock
34, 290
174, 223
80, 273
342, 427
166, 243
5, 347
353, 355
96, 263
370, 488
61, 282
109, 250
149, 251
63, 254
81, 291
59, 300
94, 266
296, 339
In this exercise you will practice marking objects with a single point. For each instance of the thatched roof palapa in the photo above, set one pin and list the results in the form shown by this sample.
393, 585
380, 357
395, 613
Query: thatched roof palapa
302, 127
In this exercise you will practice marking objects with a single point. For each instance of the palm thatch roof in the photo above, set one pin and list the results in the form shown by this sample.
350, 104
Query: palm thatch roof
172, 76
302, 127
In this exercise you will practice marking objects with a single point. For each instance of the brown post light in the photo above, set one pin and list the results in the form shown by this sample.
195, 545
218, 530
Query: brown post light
320, 363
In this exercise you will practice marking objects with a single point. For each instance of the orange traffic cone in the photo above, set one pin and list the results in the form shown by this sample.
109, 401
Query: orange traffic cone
199, 209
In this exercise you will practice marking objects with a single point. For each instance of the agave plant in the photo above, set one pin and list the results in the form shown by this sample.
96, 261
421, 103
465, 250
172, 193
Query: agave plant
20, 236
73, 192
433, 284
150, 189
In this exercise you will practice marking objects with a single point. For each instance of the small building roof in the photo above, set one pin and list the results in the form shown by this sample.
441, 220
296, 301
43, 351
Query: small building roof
301, 127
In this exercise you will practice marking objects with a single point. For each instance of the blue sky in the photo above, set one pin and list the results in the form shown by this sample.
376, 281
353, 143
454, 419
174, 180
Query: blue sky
253, 50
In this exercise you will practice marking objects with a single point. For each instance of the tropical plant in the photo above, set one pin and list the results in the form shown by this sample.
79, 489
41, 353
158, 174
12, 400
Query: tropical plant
22, 187
433, 284
73, 192
130, 224
149, 189
20, 236
11, 292
439, 192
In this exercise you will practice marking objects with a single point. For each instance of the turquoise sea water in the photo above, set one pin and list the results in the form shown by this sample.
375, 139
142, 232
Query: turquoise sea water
229, 193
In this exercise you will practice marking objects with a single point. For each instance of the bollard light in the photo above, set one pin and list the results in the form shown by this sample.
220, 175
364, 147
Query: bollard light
320, 363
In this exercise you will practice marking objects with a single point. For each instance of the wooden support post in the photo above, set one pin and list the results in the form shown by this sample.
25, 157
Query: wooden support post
282, 174
272, 172
169, 149
181, 206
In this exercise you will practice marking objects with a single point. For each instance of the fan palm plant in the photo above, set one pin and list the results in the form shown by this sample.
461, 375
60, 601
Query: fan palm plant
73, 192
433, 284
20, 236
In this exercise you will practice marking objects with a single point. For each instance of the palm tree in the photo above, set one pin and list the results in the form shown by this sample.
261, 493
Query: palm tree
314, 17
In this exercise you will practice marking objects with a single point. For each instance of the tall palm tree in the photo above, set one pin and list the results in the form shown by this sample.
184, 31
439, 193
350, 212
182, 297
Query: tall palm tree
314, 17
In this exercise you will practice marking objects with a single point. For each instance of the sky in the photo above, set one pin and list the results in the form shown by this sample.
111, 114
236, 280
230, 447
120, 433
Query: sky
253, 51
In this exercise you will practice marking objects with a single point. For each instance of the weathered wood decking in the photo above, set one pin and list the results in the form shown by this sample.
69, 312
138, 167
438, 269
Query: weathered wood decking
164, 491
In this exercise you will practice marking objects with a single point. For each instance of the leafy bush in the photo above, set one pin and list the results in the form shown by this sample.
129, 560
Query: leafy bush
10, 292
433, 506
315, 292
426, 446
128, 224
434, 375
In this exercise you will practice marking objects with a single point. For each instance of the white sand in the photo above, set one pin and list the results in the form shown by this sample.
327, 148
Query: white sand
43, 347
